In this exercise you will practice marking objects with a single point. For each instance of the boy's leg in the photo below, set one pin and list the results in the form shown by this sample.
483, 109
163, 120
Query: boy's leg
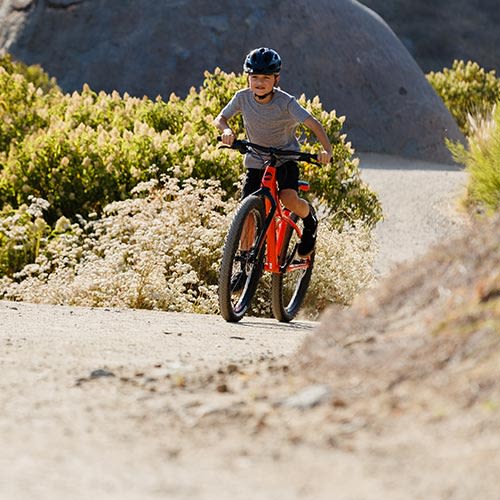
251, 184
293, 202
288, 179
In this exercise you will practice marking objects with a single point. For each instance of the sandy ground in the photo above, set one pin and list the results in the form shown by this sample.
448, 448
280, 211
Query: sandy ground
69, 431
139, 404
420, 202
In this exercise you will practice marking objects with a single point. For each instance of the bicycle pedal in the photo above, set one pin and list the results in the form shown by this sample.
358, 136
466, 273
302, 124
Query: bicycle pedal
291, 260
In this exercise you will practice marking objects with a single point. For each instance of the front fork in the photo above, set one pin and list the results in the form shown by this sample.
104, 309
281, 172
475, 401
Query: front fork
279, 220
275, 227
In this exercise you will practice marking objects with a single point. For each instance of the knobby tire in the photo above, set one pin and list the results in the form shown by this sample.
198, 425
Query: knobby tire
287, 297
233, 306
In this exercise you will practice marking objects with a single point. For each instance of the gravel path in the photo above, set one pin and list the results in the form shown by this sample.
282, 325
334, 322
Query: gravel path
86, 410
76, 418
420, 202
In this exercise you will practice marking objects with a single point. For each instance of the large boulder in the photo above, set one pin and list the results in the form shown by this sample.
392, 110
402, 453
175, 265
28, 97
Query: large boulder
438, 31
337, 49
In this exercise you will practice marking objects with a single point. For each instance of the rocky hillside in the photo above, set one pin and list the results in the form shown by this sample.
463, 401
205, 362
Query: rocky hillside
337, 49
438, 31
436, 312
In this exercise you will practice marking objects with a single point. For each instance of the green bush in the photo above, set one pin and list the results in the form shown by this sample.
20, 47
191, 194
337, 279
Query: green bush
466, 89
89, 149
482, 161
19, 109
33, 74
24, 91
84, 150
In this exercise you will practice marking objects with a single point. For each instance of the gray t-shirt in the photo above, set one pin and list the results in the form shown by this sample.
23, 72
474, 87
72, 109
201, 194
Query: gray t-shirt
273, 124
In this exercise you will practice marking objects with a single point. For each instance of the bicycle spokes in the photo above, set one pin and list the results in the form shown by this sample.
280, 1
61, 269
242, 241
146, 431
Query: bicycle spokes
289, 286
241, 265
240, 272
244, 258
292, 272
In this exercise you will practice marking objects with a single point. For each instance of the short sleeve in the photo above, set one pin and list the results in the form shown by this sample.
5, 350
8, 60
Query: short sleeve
297, 111
233, 107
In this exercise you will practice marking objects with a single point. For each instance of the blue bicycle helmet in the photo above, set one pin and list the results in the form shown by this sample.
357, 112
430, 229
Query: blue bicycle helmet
262, 61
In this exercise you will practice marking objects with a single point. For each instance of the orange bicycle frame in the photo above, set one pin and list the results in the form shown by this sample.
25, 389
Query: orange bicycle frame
277, 220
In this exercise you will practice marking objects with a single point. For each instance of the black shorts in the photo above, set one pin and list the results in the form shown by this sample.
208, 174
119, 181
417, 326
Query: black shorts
287, 176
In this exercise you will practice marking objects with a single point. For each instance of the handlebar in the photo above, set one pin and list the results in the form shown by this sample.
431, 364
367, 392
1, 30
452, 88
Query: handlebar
245, 146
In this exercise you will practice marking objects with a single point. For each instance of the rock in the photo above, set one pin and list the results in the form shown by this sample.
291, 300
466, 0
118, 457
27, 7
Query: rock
22, 4
308, 397
62, 4
337, 49
101, 373
436, 34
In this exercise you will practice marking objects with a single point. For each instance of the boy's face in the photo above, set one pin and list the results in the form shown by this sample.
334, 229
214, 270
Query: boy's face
262, 84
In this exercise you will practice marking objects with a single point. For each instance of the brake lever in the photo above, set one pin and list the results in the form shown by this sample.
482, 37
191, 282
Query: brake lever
237, 145
240, 146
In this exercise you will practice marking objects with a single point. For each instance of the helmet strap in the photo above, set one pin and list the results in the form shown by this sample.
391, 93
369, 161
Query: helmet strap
265, 96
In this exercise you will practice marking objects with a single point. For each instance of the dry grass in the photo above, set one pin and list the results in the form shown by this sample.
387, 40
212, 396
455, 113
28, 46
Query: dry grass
432, 327
162, 249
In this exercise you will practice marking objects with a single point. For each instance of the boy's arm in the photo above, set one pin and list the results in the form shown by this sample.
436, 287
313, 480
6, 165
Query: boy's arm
315, 126
227, 136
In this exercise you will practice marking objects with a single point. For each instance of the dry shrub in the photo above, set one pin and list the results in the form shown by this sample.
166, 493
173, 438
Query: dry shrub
157, 252
343, 266
481, 159
436, 319
162, 250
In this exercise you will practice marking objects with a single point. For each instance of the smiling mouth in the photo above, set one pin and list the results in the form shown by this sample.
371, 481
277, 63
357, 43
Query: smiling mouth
262, 96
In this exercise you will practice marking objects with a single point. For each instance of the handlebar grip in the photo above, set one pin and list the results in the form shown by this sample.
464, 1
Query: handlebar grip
238, 145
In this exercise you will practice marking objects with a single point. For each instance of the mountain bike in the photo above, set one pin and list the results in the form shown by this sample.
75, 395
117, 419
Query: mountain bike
264, 236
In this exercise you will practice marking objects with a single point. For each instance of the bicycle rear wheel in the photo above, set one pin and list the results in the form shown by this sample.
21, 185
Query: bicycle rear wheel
289, 288
240, 270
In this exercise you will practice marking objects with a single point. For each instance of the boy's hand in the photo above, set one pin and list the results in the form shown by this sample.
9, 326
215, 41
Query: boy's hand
324, 157
227, 137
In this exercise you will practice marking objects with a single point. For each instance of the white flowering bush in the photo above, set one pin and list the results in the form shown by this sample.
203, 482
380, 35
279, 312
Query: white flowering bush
343, 268
156, 252
343, 265
162, 250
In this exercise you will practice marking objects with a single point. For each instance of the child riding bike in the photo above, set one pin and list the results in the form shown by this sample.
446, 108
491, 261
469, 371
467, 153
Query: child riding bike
271, 117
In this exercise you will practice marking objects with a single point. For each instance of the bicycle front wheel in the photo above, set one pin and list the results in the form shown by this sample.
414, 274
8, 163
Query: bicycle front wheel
242, 261
289, 288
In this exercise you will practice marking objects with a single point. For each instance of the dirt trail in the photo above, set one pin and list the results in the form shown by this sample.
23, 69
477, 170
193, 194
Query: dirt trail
421, 205
127, 404
78, 419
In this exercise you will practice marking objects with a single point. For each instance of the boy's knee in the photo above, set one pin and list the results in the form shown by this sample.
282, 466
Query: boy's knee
293, 202
289, 197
